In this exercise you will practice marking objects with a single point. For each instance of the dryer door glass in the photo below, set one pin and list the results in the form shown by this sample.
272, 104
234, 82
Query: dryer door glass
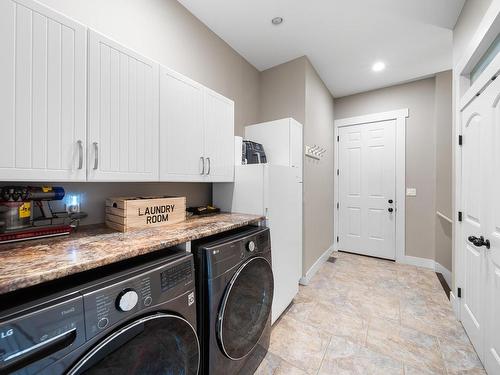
246, 308
153, 345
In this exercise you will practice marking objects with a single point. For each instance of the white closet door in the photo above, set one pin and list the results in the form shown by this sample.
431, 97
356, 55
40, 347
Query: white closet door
492, 298
123, 113
476, 130
219, 137
367, 162
181, 128
42, 94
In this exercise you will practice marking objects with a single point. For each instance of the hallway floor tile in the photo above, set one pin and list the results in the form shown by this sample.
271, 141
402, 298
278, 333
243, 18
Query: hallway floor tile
361, 315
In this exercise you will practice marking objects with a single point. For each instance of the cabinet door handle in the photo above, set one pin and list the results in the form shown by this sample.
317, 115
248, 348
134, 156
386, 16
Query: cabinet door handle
80, 154
96, 155
202, 165
209, 166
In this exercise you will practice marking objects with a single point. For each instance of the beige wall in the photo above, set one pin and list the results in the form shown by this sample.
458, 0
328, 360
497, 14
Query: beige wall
418, 96
294, 89
318, 175
166, 32
283, 91
444, 136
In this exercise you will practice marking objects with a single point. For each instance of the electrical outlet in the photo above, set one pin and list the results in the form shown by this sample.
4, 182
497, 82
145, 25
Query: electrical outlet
411, 192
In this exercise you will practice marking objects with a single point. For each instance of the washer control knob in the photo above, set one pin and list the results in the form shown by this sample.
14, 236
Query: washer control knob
251, 246
102, 323
127, 300
147, 301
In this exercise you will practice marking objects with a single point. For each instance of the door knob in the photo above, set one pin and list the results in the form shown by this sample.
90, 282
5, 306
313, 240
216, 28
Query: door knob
390, 201
478, 242
390, 209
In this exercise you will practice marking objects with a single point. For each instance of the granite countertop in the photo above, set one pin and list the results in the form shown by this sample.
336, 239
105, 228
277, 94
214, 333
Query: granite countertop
29, 263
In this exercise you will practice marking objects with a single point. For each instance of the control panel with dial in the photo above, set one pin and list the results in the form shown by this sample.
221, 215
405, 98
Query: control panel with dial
107, 306
126, 300
251, 246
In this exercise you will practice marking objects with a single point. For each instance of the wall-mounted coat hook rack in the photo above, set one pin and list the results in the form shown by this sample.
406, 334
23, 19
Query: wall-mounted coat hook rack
314, 151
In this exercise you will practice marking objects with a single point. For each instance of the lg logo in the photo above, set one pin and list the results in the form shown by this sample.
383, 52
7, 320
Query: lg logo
5, 334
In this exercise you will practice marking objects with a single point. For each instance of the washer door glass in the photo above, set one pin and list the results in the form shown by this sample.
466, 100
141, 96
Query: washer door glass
246, 308
153, 345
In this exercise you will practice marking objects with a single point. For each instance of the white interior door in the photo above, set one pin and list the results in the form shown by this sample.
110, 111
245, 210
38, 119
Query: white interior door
479, 233
476, 130
492, 299
42, 94
367, 187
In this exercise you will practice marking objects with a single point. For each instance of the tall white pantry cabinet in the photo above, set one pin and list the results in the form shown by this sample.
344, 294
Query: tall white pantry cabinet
77, 106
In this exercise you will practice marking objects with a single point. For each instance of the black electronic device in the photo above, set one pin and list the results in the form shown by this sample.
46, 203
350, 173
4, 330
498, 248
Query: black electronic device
253, 153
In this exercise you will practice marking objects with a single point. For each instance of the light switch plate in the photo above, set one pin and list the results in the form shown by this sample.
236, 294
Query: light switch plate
411, 192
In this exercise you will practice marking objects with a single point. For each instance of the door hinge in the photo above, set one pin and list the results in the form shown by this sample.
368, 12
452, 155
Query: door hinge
460, 140
459, 292
459, 215
338, 205
338, 138
338, 172
338, 239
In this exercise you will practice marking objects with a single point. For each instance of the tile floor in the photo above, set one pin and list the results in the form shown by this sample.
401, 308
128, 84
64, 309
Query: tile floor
366, 316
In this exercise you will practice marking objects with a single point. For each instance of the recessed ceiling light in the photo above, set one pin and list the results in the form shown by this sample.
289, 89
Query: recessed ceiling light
277, 21
378, 66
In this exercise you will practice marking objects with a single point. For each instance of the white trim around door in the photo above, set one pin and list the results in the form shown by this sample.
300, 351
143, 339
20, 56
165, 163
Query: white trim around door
400, 117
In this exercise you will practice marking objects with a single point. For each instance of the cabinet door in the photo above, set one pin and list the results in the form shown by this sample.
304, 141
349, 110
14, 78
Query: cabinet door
181, 128
219, 137
42, 94
296, 146
123, 113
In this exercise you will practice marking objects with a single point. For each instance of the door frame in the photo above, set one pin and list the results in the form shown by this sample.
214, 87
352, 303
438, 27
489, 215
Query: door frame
399, 116
464, 91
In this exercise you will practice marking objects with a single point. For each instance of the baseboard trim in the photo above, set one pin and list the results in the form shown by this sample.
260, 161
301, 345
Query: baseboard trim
445, 272
305, 280
418, 262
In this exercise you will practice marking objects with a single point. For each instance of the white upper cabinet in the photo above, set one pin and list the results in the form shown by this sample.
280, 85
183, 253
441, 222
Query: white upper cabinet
42, 94
219, 137
196, 131
66, 116
123, 113
181, 128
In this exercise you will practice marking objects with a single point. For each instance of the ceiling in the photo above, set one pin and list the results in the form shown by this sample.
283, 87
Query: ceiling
342, 38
